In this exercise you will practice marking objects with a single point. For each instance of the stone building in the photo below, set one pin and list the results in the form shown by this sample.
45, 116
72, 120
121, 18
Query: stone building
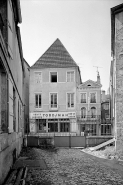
117, 72
52, 98
89, 107
11, 85
26, 96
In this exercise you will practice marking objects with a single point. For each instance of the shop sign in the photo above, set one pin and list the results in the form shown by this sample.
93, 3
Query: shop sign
52, 115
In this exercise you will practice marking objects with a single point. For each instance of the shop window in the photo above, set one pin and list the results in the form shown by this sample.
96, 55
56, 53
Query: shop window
38, 77
70, 100
70, 76
105, 129
53, 99
83, 97
53, 77
64, 127
90, 130
93, 112
37, 100
41, 123
83, 112
92, 97
52, 126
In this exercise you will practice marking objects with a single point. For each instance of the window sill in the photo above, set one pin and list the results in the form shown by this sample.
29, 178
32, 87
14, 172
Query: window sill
38, 109
53, 109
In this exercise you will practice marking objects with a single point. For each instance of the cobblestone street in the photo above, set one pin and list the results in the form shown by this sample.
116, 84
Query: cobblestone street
71, 167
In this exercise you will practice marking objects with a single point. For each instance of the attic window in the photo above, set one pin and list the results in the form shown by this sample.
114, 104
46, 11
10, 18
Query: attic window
89, 85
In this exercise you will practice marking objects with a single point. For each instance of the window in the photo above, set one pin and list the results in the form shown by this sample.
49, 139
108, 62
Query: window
53, 77
53, 99
70, 76
92, 97
106, 106
38, 77
41, 123
37, 100
83, 112
70, 100
91, 129
105, 129
53, 125
83, 97
93, 112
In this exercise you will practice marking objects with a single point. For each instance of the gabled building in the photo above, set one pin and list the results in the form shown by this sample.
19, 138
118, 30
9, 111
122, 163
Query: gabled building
11, 85
89, 107
52, 98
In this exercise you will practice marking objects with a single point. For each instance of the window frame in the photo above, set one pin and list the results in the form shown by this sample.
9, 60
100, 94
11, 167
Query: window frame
35, 76
93, 116
70, 100
51, 93
95, 97
81, 97
85, 112
38, 107
50, 76
70, 71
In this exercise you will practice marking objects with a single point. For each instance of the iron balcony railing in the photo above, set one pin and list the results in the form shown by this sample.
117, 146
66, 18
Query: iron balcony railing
89, 117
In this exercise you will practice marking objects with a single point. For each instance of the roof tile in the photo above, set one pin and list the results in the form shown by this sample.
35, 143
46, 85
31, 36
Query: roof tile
56, 56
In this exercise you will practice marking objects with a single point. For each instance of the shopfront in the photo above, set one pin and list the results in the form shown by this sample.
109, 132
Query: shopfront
45, 122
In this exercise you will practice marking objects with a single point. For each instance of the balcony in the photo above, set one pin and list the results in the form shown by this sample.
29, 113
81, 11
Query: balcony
89, 118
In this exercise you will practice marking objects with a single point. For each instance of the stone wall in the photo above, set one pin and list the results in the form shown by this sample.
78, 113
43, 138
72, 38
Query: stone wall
119, 78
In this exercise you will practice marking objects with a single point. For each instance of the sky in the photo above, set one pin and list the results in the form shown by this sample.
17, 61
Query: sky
83, 27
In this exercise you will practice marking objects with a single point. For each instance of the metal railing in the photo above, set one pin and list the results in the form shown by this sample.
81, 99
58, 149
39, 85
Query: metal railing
89, 117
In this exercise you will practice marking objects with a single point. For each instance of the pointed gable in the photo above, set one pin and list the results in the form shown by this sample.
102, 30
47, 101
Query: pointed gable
90, 84
55, 57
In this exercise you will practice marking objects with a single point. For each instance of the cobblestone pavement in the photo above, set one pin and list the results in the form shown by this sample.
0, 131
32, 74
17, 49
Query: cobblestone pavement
71, 167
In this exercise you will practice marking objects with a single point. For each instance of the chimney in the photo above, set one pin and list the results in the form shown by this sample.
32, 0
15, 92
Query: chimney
98, 77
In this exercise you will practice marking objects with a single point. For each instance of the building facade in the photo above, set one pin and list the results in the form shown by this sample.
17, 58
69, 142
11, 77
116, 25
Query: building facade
52, 99
89, 107
106, 124
11, 85
117, 60
26, 96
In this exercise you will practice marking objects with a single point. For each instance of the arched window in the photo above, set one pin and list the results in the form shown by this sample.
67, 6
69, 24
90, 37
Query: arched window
93, 112
83, 112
